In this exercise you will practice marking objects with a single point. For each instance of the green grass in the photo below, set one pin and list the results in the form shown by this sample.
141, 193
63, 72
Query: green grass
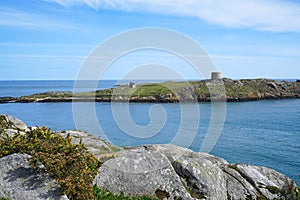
49, 94
100, 194
160, 89
146, 90
273, 189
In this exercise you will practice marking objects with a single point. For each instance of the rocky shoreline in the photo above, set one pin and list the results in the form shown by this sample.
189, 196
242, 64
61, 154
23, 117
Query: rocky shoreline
172, 92
162, 171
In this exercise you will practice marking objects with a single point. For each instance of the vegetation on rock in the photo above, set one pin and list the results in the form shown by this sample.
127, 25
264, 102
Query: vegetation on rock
69, 164
3, 124
104, 194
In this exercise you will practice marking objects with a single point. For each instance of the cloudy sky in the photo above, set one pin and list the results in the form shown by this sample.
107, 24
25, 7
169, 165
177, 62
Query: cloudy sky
50, 39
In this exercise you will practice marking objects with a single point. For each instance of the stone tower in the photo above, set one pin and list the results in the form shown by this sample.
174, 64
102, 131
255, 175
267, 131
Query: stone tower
216, 75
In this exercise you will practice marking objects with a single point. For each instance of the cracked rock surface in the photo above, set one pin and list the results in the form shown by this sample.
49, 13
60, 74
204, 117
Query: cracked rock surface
18, 180
178, 173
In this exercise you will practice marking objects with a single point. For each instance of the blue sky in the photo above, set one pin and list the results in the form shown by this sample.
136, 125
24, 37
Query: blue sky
50, 39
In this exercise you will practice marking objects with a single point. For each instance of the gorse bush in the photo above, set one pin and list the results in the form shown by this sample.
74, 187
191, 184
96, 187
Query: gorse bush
69, 164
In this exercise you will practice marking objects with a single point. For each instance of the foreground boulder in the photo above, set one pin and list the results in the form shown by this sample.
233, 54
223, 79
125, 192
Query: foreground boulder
95, 145
18, 180
11, 125
139, 172
10, 122
172, 172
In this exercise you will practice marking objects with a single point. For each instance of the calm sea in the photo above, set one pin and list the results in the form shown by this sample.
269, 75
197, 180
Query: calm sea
262, 132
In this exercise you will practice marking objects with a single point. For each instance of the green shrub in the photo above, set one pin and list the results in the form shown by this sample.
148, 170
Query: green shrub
100, 194
69, 164
3, 124
295, 195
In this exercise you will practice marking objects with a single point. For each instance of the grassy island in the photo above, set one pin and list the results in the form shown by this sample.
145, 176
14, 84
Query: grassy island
190, 91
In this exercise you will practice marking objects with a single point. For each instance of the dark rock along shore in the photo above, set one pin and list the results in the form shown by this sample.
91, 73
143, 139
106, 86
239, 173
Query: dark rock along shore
194, 91
165, 171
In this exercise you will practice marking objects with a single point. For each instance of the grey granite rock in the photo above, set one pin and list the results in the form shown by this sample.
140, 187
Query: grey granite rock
11, 122
141, 172
237, 186
98, 147
19, 181
180, 173
203, 177
268, 182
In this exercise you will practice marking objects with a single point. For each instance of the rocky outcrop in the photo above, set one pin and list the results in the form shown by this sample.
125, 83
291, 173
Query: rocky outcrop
11, 125
98, 147
165, 171
18, 180
172, 172
10, 122
140, 173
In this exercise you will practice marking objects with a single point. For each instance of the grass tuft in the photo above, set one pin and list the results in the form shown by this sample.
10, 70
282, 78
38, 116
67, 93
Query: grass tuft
107, 195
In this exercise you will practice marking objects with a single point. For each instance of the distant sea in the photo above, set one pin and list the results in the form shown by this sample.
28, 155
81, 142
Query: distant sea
28, 87
263, 133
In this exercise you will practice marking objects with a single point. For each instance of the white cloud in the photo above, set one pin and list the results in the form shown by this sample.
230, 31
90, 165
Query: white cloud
14, 17
276, 15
